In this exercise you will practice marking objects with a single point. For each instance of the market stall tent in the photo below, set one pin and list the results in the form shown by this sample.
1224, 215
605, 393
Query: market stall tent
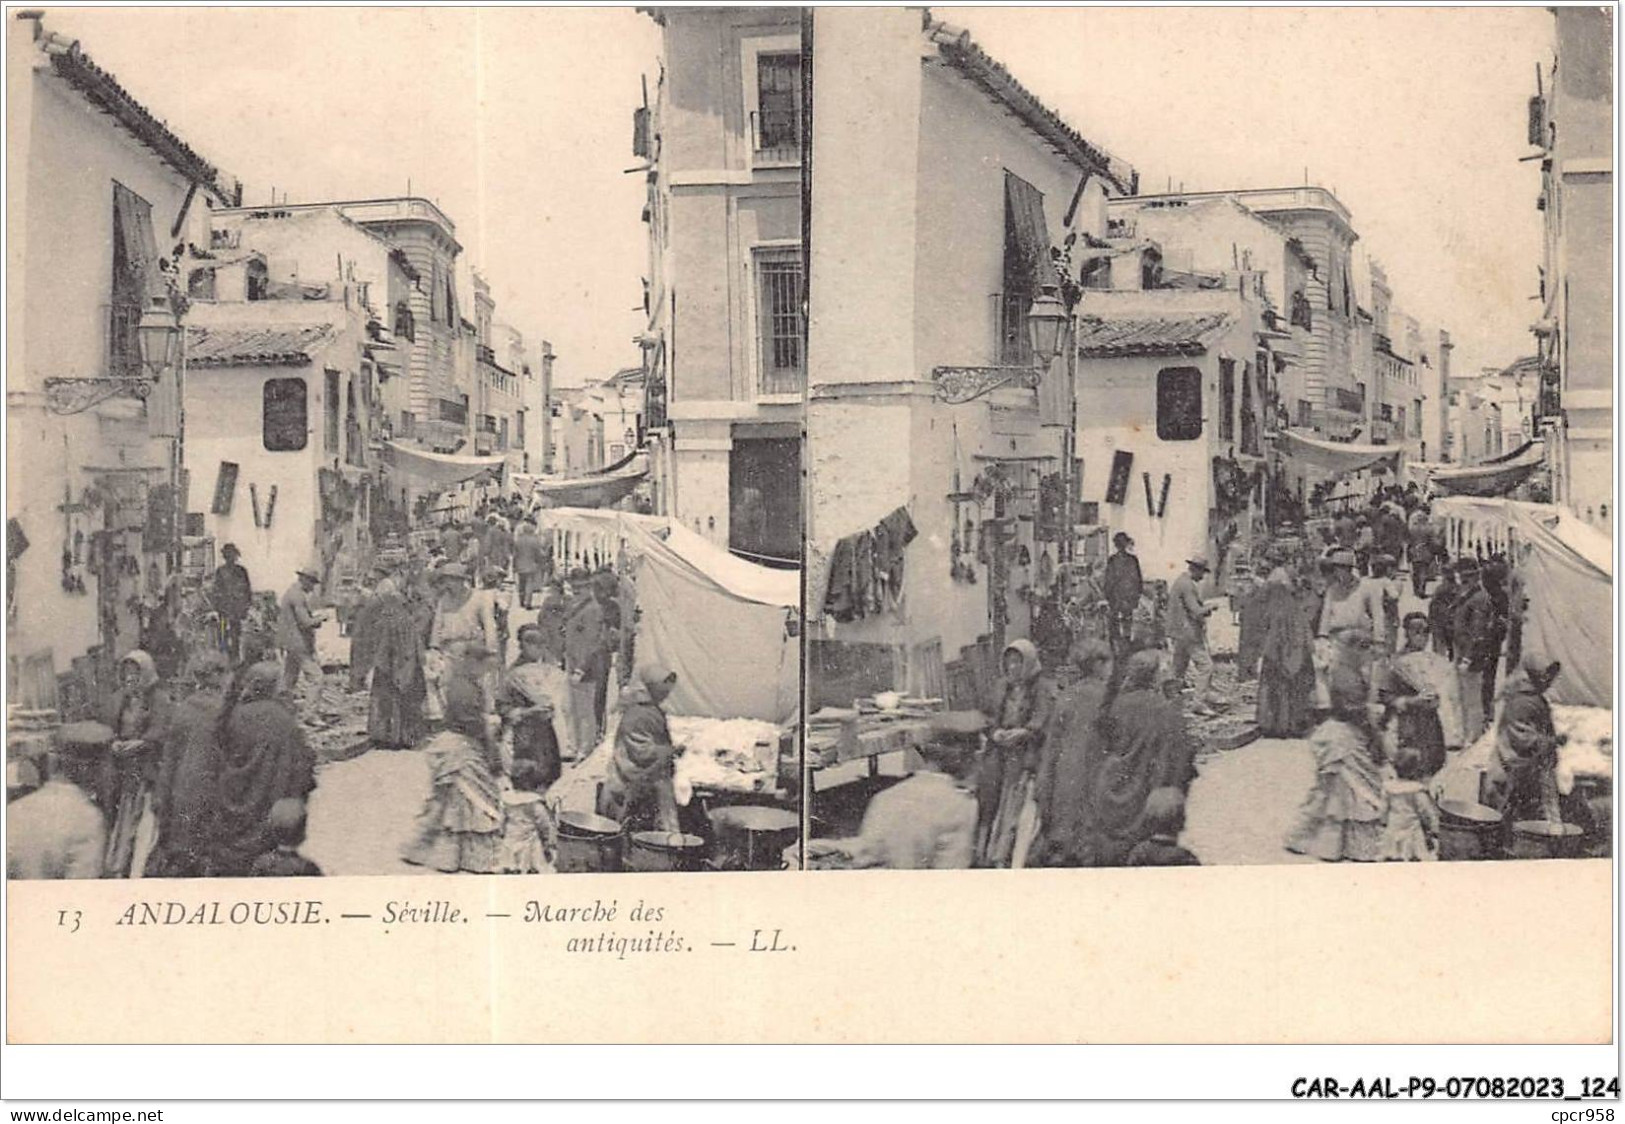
1568, 575
725, 625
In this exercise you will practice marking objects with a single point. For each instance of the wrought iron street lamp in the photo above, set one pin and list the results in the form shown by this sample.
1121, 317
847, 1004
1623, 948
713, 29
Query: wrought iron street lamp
1045, 321
159, 338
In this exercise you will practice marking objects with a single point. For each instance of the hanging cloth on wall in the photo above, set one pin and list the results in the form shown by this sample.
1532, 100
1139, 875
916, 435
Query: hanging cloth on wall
866, 569
1024, 220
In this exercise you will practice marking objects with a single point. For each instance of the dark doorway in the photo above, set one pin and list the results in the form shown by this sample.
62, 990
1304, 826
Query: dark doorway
764, 500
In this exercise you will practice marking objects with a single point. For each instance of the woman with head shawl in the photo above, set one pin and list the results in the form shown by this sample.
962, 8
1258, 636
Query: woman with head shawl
264, 759
187, 794
1022, 703
395, 717
638, 791
534, 704
460, 827
1286, 669
1342, 816
1074, 747
1526, 750
1148, 747
139, 714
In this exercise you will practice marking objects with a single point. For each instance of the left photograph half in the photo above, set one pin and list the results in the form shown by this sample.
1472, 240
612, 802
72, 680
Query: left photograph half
363, 515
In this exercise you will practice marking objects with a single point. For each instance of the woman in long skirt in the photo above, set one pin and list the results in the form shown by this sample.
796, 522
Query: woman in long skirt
460, 827
1342, 817
140, 715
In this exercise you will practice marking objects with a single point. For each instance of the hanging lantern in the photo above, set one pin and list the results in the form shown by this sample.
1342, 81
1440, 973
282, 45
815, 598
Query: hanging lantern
1044, 322
159, 337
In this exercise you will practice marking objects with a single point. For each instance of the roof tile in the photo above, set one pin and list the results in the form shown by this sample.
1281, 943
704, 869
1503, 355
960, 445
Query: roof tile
1116, 337
254, 347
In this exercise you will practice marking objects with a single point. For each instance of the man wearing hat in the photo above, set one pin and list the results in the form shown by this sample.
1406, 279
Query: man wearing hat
927, 822
1479, 630
297, 623
1442, 609
57, 831
233, 596
1187, 627
1122, 586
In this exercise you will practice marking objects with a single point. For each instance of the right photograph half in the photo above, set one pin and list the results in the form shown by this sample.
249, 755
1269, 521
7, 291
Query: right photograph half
1208, 436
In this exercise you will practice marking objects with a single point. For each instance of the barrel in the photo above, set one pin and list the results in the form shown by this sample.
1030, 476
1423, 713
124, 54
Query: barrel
753, 837
1599, 797
588, 843
1542, 839
664, 851
1468, 831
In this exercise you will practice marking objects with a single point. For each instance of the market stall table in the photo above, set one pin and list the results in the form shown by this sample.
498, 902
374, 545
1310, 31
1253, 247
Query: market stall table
847, 746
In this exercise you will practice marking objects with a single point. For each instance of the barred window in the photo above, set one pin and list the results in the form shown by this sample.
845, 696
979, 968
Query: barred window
779, 319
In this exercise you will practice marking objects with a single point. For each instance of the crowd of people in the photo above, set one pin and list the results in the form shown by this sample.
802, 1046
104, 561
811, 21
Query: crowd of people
1389, 699
1090, 774
1094, 772
207, 771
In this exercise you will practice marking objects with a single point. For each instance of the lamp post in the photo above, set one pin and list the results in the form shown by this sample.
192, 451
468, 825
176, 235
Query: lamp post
158, 337
1049, 325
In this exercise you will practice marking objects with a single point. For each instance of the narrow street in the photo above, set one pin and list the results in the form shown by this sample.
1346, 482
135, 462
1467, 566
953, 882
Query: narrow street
1244, 800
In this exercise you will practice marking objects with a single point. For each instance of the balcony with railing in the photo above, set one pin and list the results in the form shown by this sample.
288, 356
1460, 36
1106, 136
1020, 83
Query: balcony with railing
775, 140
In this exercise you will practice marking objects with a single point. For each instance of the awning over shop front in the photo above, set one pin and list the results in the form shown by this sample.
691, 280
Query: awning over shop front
1492, 478
601, 489
438, 470
1336, 457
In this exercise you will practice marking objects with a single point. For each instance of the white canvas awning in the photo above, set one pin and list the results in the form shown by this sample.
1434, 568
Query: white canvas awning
1492, 478
438, 470
720, 622
1336, 457
1567, 575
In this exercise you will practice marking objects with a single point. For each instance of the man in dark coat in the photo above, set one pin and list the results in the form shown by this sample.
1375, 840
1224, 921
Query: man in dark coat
1421, 550
233, 596
1442, 611
1479, 632
1122, 586
527, 561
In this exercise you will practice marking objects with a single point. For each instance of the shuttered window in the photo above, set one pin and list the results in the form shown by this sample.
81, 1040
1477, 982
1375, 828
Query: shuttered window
285, 415
778, 101
1179, 404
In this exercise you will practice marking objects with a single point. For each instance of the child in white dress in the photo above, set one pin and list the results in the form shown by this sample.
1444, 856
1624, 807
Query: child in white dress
1411, 831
